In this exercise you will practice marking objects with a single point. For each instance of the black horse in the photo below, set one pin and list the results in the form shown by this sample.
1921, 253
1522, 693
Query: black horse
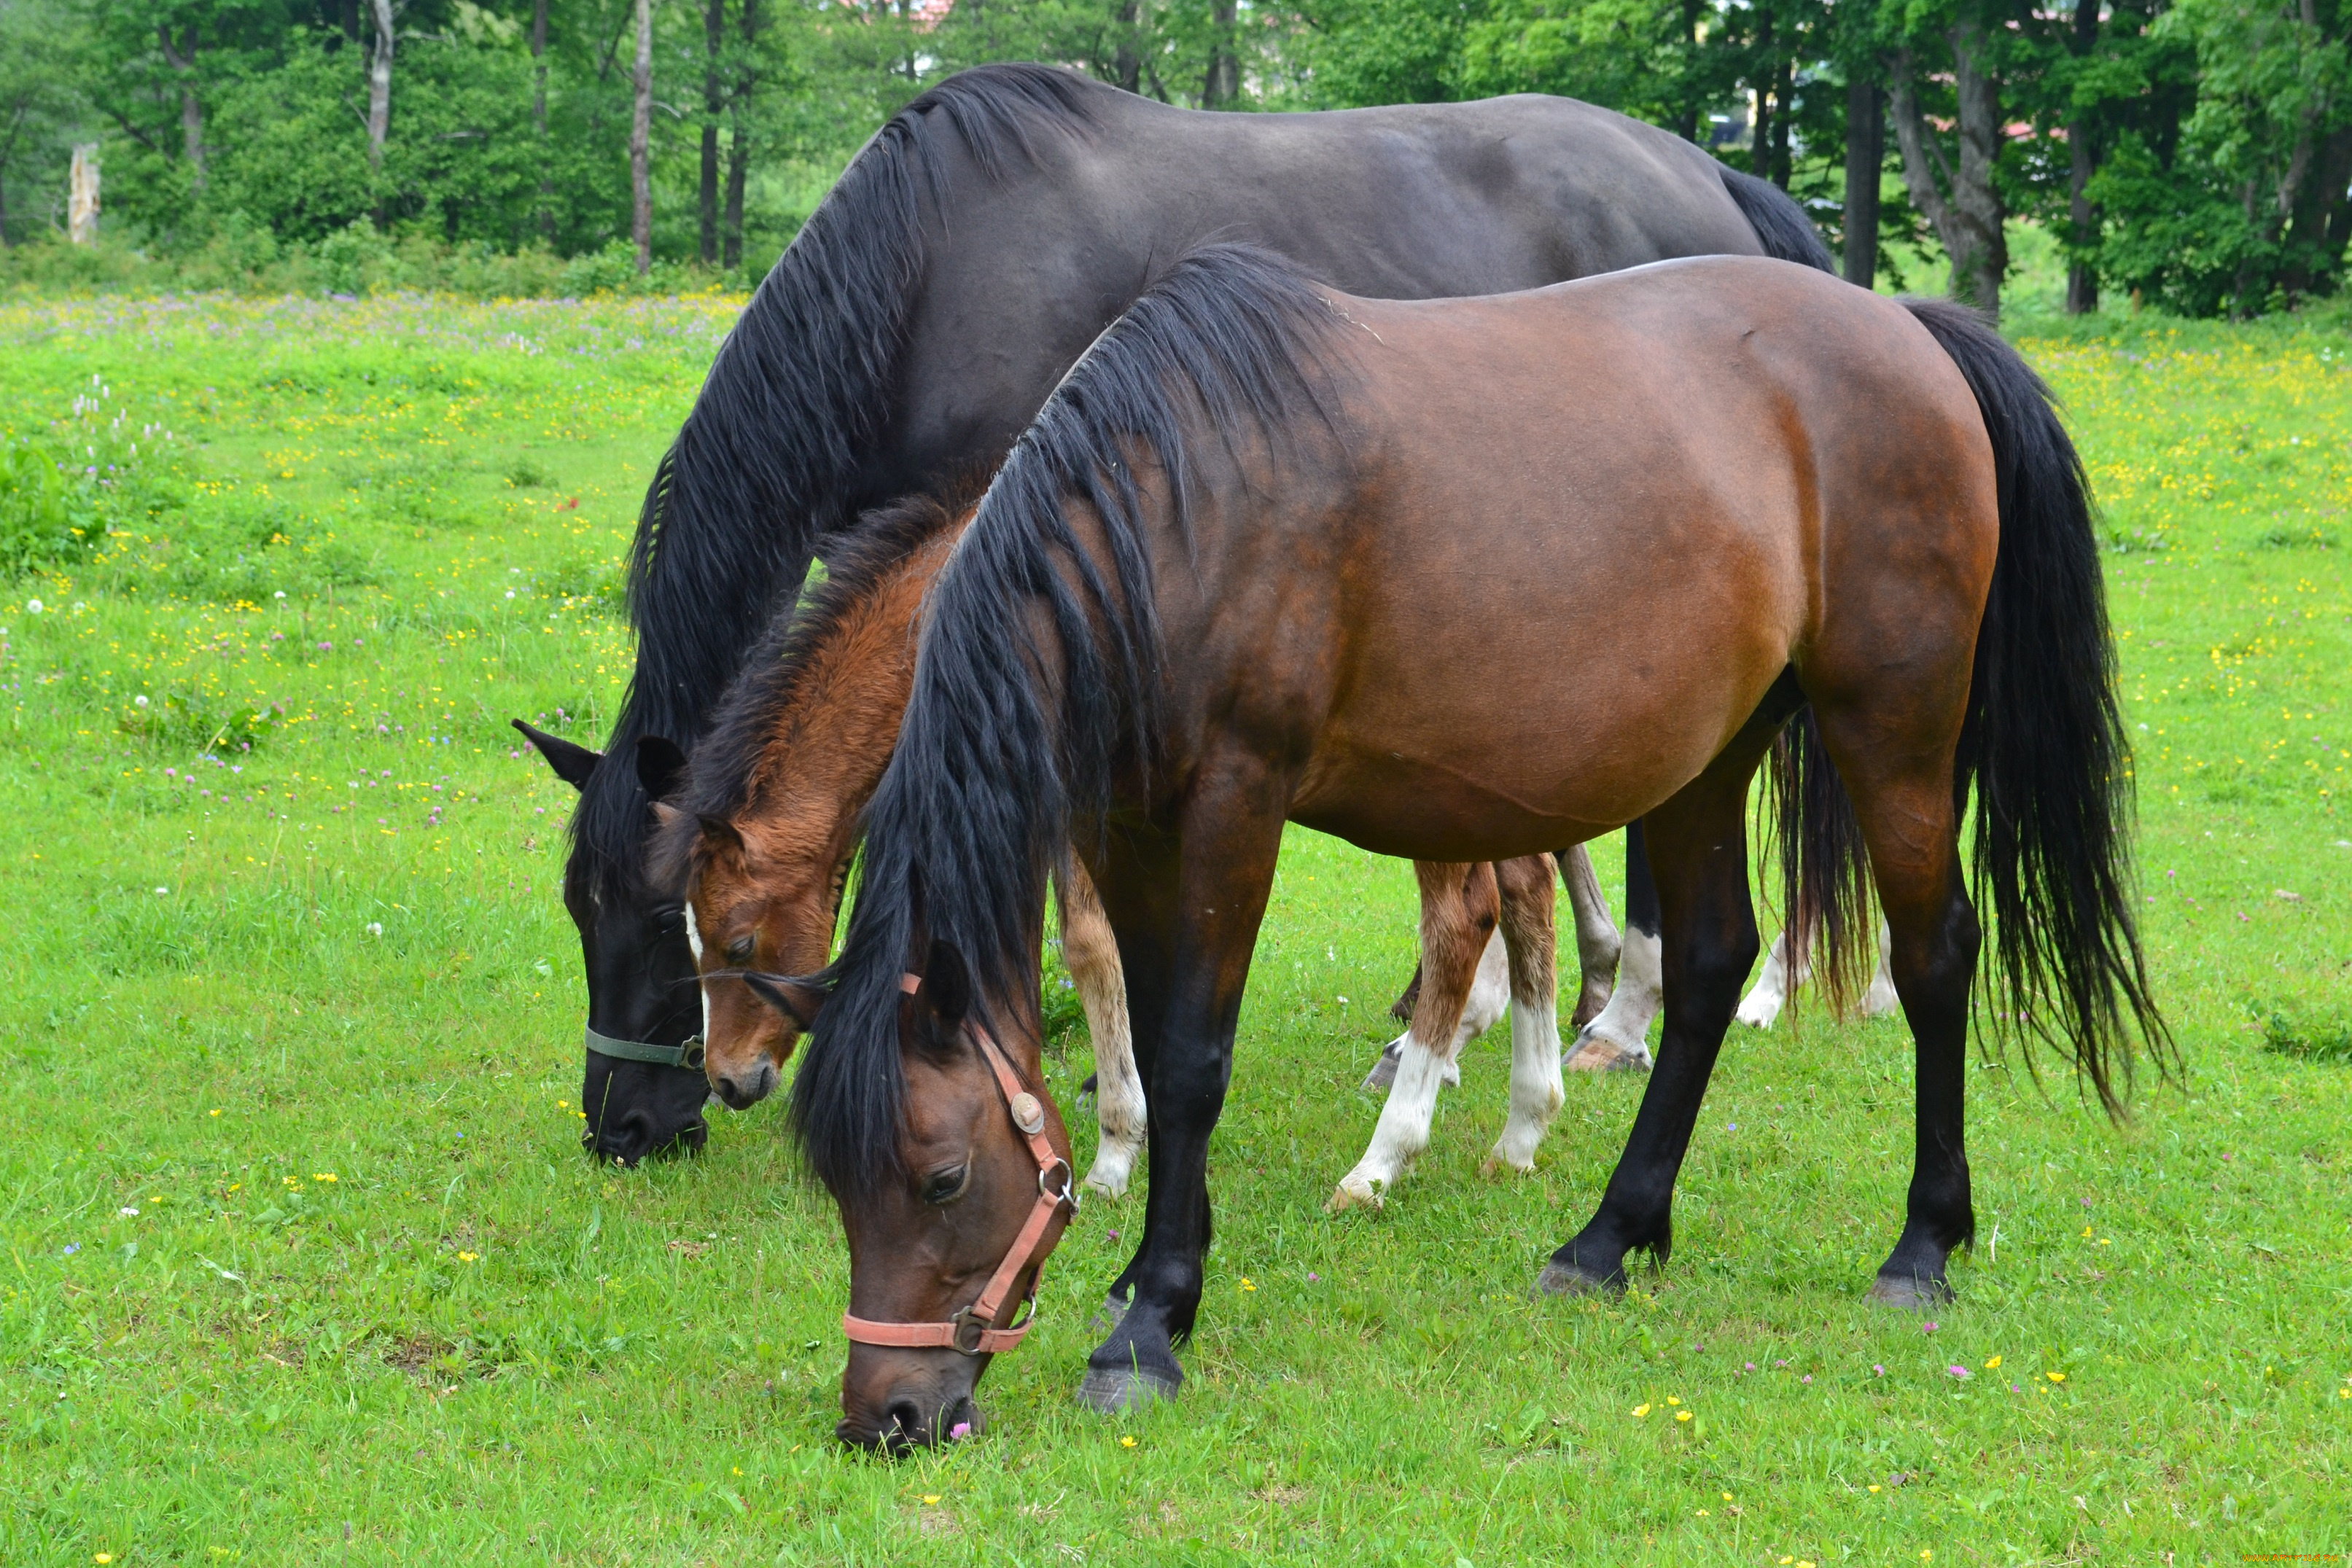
968, 256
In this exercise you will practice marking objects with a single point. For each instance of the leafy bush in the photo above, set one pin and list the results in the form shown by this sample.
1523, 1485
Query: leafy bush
45, 518
2314, 1040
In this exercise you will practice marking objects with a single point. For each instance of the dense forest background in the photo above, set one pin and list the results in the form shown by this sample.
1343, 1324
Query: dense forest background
2192, 154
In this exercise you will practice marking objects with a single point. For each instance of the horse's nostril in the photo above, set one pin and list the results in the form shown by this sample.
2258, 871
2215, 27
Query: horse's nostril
903, 1423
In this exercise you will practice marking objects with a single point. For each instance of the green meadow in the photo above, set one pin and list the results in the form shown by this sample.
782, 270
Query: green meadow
303, 1264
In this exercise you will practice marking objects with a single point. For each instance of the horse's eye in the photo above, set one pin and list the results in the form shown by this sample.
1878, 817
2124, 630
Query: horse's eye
740, 950
670, 922
945, 1187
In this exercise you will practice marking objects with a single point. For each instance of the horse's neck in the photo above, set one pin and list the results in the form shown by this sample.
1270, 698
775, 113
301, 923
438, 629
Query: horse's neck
827, 752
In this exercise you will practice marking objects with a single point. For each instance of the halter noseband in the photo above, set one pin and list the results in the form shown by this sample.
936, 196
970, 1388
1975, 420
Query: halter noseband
974, 1330
686, 1054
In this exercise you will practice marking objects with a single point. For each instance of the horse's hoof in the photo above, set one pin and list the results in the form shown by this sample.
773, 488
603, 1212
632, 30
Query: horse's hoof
1384, 1072
1108, 1182
1355, 1192
1106, 1316
1559, 1279
1757, 1017
1128, 1388
1909, 1292
1499, 1163
1599, 1053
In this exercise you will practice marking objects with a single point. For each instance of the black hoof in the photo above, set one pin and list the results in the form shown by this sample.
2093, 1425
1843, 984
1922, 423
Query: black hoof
1559, 1279
1384, 1072
1129, 1388
1909, 1292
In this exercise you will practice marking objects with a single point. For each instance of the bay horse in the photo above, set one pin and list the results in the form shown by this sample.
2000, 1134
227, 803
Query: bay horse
965, 258
760, 830
1251, 565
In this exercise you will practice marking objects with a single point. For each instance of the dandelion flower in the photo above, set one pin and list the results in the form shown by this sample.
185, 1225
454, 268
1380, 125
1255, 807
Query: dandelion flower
1640, 1411
1127, 1442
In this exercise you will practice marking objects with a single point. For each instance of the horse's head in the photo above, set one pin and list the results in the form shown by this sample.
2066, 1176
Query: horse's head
759, 899
945, 1241
641, 1003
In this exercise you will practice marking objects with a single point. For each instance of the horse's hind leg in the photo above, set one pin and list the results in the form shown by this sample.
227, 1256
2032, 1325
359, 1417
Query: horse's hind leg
1697, 850
1900, 772
1536, 1090
1620, 1037
1090, 952
1459, 907
1773, 987
1598, 946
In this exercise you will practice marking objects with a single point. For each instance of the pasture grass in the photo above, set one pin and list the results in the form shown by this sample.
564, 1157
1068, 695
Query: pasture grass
304, 1266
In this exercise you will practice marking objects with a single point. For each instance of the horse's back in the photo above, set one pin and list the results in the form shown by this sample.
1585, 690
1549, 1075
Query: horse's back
1709, 463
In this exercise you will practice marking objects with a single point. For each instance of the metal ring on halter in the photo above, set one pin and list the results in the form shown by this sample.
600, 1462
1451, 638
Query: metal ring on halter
1069, 1193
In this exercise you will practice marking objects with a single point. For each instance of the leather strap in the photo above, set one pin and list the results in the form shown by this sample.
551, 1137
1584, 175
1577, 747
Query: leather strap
688, 1054
975, 1330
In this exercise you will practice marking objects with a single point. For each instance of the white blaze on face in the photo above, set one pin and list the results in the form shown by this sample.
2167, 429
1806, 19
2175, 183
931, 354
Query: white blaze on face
693, 941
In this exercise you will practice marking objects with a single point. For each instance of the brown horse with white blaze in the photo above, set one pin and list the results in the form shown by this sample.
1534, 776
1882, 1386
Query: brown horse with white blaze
1253, 563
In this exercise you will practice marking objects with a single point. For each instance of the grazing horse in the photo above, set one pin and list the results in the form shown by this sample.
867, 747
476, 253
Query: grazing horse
964, 260
760, 830
1251, 564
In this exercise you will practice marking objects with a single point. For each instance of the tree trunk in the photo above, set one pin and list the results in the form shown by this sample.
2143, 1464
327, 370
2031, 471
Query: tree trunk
1969, 219
2083, 162
1224, 80
183, 61
714, 39
379, 119
1866, 155
1759, 141
539, 118
1686, 117
81, 196
1981, 261
1783, 89
739, 144
1127, 64
641, 126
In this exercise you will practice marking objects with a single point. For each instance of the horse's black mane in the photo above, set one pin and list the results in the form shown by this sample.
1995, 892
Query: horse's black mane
756, 475
991, 769
718, 781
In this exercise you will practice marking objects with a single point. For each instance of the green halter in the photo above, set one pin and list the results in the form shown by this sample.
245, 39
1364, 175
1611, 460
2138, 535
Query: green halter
688, 1054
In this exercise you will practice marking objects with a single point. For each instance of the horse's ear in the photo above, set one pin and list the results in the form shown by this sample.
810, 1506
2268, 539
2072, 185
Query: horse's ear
947, 983
668, 815
794, 1000
659, 766
719, 832
571, 761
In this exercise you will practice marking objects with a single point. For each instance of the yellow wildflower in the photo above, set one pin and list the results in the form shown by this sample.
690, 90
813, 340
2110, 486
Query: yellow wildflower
2055, 1376
931, 1498
1641, 1410
1993, 1363
1127, 1442
1873, 1486
469, 1257
1246, 1285
1671, 1400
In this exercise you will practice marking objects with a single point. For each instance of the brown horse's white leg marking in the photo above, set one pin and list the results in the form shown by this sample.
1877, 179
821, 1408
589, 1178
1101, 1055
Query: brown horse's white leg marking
1536, 1089
1773, 987
1090, 952
1619, 1038
1459, 909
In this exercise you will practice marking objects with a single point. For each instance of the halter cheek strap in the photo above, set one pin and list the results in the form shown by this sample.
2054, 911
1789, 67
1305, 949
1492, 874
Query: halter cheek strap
975, 1329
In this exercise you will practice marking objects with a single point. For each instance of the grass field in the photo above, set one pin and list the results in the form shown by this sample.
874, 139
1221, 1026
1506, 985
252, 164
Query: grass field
303, 1266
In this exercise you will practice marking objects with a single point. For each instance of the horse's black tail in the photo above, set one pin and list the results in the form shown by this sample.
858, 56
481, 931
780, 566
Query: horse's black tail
2044, 746
1781, 225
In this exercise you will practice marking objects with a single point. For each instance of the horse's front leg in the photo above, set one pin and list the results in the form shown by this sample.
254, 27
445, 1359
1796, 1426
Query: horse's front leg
1524, 887
1458, 911
1599, 947
1090, 952
1619, 1038
1187, 910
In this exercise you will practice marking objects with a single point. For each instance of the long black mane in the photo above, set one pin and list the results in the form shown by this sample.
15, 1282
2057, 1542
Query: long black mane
757, 475
992, 767
720, 776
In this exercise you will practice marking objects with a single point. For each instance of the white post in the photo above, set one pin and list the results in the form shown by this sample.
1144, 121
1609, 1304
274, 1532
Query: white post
81, 203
